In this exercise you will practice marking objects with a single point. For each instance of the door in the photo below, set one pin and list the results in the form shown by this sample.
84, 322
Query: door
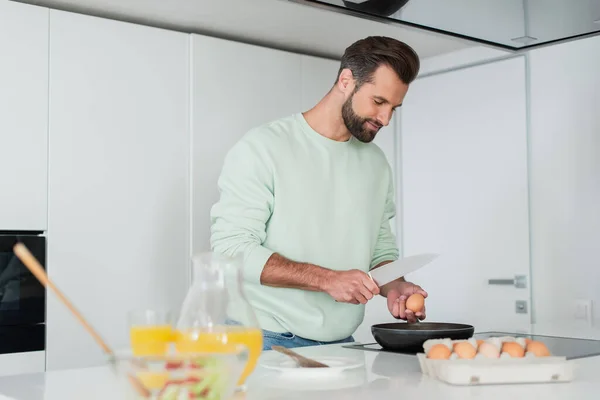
118, 235
23, 117
465, 193
565, 182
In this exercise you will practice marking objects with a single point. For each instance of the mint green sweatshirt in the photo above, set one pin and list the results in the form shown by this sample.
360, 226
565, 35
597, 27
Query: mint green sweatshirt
287, 189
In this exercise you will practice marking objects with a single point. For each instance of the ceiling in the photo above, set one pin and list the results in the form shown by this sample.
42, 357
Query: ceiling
281, 24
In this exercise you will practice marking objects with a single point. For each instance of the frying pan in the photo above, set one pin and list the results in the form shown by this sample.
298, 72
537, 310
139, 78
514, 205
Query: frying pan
403, 336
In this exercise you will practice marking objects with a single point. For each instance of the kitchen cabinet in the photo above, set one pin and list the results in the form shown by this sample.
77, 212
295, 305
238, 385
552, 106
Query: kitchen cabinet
23, 116
118, 234
465, 192
236, 87
318, 77
31, 362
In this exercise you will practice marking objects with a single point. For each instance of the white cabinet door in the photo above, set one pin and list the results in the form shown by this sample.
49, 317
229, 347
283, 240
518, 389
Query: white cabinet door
565, 180
465, 193
119, 178
23, 116
318, 77
30, 362
236, 87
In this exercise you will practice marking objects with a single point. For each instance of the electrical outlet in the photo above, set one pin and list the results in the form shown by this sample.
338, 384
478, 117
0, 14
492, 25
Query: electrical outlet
583, 310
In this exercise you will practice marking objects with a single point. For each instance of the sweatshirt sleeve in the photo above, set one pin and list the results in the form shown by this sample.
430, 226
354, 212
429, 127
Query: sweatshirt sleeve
239, 218
386, 248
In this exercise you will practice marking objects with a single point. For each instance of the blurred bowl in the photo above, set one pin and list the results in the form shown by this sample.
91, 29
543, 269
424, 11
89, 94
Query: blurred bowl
210, 376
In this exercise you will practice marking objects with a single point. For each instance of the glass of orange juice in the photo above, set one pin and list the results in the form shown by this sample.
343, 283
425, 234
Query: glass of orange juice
150, 331
216, 315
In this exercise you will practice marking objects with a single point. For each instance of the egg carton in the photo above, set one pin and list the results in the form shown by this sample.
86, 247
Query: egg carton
485, 371
488, 371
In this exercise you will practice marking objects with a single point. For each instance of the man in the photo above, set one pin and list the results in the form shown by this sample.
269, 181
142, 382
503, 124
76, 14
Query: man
307, 201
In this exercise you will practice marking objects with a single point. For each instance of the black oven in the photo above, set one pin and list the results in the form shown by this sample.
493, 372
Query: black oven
22, 297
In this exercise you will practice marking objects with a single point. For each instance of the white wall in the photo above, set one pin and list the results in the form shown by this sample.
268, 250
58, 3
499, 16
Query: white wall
565, 177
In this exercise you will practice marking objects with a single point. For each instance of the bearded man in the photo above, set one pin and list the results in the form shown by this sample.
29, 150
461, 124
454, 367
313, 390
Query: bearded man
307, 199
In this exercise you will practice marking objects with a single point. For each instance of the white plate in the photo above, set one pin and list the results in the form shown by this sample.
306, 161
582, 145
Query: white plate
288, 367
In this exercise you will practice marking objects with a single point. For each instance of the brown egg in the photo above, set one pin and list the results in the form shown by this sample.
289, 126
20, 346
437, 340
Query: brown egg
527, 340
465, 350
513, 349
415, 302
439, 352
480, 342
538, 348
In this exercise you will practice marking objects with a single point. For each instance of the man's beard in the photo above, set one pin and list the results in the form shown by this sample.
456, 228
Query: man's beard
356, 124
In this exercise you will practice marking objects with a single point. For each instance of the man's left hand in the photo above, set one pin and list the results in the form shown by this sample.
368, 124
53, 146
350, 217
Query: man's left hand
396, 301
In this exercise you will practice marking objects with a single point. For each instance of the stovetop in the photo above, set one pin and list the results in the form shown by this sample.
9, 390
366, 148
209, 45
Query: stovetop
571, 348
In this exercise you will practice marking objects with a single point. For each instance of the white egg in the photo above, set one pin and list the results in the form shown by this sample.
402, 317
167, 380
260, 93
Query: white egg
495, 341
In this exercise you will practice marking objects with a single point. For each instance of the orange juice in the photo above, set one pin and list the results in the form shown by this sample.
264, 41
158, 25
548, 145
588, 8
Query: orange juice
150, 340
222, 339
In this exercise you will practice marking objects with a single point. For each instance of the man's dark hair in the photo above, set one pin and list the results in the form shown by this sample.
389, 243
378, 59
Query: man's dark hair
366, 55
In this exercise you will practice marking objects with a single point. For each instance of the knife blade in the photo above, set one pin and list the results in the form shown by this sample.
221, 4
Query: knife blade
399, 268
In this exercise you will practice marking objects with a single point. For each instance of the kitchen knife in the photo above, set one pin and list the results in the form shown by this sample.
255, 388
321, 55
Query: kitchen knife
399, 268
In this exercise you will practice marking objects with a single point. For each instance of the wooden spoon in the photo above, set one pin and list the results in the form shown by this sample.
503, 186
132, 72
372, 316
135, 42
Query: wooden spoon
38, 271
300, 360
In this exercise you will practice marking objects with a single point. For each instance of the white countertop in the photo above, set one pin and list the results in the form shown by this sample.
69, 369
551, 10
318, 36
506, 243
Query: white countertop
384, 375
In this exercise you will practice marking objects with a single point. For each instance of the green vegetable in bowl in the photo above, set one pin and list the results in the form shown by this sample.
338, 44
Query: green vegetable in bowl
211, 386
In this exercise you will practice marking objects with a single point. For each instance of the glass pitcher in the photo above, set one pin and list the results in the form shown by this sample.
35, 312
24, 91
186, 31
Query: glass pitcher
216, 314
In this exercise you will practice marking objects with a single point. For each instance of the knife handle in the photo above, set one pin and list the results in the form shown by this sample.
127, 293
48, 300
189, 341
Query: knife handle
369, 273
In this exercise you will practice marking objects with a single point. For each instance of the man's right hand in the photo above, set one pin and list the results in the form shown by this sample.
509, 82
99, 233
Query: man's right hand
353, 286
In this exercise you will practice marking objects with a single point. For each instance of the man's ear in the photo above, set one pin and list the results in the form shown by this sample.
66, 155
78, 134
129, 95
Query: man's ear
346, 81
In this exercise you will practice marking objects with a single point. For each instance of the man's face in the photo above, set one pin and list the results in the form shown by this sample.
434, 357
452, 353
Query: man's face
372, 105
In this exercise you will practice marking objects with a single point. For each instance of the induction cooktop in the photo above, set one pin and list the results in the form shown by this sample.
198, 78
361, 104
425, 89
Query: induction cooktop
571, 348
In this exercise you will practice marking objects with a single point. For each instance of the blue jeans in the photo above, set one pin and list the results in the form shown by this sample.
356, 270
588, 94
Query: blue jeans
289, 340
